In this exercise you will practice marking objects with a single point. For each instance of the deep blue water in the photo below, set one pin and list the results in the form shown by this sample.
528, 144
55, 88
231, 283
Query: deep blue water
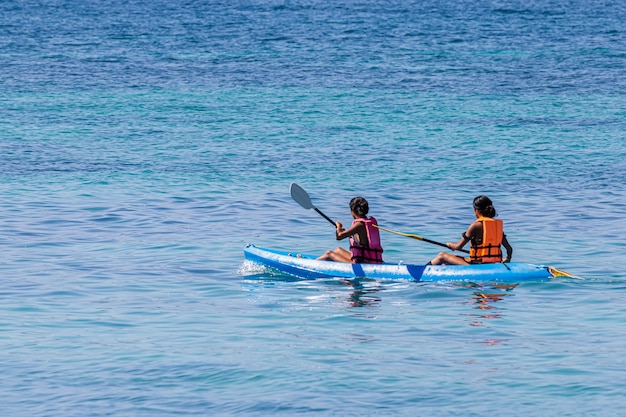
144, 144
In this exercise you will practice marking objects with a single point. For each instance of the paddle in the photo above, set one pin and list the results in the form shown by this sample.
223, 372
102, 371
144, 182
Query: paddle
301, 197
413, 236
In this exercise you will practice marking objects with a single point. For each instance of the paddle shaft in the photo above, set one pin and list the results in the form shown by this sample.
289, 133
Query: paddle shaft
413, 236
324, 216
440, 244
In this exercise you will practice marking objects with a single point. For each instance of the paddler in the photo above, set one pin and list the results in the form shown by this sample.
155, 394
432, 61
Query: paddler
364, 237
486, 236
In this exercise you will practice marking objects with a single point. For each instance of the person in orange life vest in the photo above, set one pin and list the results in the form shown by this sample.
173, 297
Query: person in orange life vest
364, 237
486, 236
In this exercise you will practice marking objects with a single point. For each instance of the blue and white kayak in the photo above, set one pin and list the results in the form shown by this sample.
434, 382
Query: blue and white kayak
307, 267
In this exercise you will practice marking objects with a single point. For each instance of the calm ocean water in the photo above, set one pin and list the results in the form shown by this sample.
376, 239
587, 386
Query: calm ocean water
144, 144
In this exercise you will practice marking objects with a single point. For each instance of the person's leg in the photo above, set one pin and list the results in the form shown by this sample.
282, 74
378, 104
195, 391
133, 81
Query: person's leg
445, 258
326, 256
339, 254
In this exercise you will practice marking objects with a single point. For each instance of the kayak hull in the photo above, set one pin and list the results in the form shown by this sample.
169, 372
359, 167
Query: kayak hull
307, 267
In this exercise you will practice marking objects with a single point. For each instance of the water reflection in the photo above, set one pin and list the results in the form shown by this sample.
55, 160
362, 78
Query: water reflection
361, 296
361, 292
486, 298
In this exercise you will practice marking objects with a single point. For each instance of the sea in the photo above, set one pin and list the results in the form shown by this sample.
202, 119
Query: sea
144, 144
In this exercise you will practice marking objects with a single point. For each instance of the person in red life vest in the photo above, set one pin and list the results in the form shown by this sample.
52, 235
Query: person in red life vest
364, 237
486, 236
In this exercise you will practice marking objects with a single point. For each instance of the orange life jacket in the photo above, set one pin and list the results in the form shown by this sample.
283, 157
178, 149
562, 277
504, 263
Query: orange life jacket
489, 250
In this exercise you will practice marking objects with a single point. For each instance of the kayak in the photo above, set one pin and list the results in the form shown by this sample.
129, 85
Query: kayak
307, 267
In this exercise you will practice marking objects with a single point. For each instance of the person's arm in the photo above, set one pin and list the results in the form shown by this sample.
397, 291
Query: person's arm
467, 236
509, 249
356, 228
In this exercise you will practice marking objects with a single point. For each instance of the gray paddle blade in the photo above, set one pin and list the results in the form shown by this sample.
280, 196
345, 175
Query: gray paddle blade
300, 196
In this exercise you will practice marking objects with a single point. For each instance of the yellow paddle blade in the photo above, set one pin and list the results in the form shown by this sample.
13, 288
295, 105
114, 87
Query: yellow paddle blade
560, 273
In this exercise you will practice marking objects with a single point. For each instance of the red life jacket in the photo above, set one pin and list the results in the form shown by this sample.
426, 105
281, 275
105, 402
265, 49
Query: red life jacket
489, 250
372, 253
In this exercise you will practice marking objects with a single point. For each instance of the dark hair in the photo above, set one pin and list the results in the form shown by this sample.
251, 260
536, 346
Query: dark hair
359, 206
483, 204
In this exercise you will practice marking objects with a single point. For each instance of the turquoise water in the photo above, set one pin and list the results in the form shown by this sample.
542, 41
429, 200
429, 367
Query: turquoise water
144, 145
